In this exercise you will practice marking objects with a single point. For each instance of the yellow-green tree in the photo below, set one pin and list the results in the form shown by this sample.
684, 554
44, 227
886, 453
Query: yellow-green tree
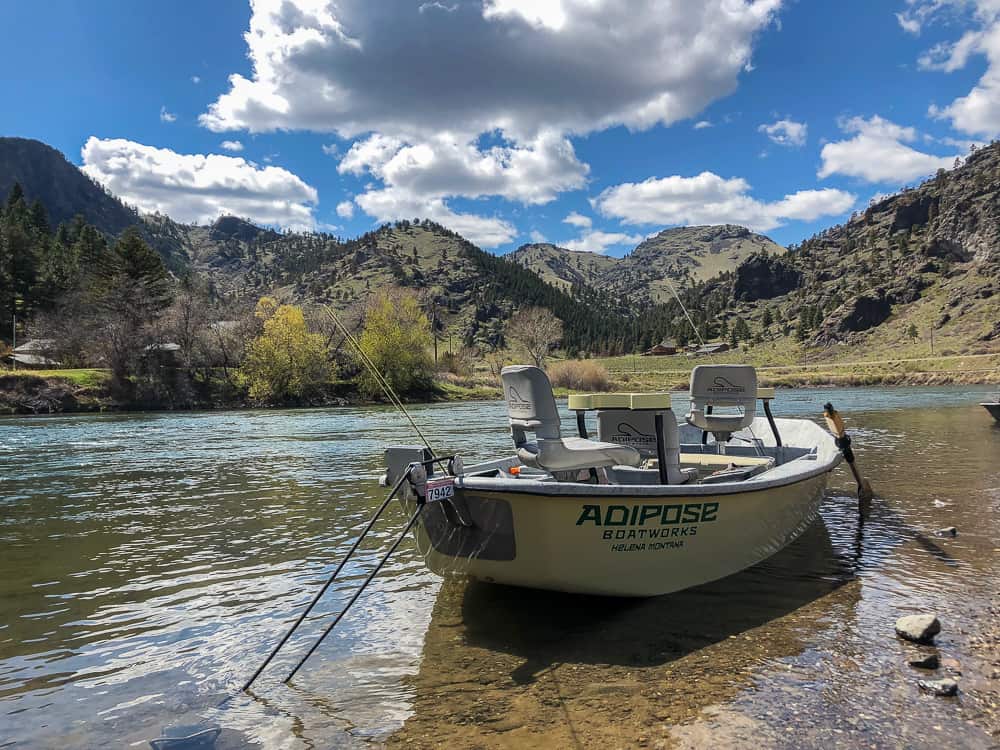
397, 339
285, 363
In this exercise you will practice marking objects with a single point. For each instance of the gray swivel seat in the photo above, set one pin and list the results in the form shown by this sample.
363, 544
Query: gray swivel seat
532, 408
726, 386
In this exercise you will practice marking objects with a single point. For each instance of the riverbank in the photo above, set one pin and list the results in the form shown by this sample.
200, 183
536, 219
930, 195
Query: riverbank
674, 372
90, 390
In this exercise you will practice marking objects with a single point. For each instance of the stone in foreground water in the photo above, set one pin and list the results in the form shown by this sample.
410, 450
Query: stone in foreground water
931, 661
945, 687
918, 628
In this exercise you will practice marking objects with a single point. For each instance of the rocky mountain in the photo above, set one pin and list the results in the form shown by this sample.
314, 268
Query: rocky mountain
565, 268
922, 263
693, 253
913, 273
684, 255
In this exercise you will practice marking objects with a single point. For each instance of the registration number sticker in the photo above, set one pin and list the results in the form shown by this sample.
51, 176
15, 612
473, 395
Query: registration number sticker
440, 489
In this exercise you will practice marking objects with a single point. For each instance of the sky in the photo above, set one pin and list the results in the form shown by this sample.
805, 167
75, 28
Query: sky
591, 124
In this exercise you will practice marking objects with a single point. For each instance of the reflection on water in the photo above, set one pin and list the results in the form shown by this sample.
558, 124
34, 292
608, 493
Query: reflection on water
148, 562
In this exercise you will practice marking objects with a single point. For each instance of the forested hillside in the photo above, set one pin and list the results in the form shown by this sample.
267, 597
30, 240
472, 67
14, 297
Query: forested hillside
918, 264
913, 271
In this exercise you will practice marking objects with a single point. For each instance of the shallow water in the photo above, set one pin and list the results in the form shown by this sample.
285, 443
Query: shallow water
148, 563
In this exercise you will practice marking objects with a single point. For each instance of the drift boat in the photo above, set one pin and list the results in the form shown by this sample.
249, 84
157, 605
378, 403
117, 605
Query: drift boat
993, 407
647, 508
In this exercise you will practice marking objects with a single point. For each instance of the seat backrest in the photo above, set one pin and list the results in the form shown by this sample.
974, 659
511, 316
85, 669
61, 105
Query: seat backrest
733, 386
636, 429
530, 403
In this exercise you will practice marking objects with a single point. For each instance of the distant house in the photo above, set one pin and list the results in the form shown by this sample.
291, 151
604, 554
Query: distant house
665, 347
716, 348
164, 354
34, 354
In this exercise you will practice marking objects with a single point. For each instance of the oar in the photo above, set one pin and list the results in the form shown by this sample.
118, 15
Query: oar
836, 425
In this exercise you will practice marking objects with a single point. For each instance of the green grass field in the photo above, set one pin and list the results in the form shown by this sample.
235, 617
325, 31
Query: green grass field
84, 378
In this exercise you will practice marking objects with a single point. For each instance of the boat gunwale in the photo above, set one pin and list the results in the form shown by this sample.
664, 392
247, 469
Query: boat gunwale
573, 489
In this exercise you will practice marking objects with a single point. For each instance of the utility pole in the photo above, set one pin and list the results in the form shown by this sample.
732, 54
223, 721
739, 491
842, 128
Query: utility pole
13, 338
932, 339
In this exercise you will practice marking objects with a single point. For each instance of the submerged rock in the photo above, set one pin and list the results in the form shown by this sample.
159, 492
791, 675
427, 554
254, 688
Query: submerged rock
947, 531
918, 628
947, 686
931, 661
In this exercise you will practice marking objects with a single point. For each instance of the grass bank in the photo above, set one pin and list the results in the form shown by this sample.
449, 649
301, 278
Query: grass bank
673, 372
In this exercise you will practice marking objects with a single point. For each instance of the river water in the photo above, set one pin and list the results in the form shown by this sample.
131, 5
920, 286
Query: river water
148, 562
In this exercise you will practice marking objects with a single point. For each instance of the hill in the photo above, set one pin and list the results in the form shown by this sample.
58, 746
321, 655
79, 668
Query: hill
65, 191
565, 268
684, 255
690, 254
920, 264
914, 274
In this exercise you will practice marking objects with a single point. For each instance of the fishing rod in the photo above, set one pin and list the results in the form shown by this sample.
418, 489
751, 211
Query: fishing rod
209, 734
395, 400
684, 309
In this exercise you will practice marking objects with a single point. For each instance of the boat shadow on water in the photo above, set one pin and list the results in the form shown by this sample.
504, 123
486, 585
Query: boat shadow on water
551, 668
545, 627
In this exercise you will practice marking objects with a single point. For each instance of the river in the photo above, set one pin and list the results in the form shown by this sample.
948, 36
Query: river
148, 562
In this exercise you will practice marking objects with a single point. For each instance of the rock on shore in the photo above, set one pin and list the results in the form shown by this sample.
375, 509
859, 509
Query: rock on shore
918, 628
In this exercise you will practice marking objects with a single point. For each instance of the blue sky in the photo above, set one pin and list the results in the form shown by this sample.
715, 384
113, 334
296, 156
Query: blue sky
587, 123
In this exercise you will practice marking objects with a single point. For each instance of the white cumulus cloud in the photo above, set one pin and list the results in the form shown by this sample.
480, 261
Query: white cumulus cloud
419, 177
166, 116
345, 209
199, 187
978, 112
786, 132
232, 145
708, 198
877, 152
596, 241
578, 220
356, 66
532, 74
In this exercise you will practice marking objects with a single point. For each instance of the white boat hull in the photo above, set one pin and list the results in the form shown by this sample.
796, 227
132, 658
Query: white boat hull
635, 546
622, 539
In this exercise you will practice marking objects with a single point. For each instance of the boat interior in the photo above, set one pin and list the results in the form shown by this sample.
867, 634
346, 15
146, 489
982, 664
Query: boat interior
639, 440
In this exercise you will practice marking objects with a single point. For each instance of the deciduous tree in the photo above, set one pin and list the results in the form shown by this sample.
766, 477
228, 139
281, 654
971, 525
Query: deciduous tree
285, 363
536, 331
397, 340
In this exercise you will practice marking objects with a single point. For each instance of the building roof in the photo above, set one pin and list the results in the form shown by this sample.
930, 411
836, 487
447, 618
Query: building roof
721, 346
35, 345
